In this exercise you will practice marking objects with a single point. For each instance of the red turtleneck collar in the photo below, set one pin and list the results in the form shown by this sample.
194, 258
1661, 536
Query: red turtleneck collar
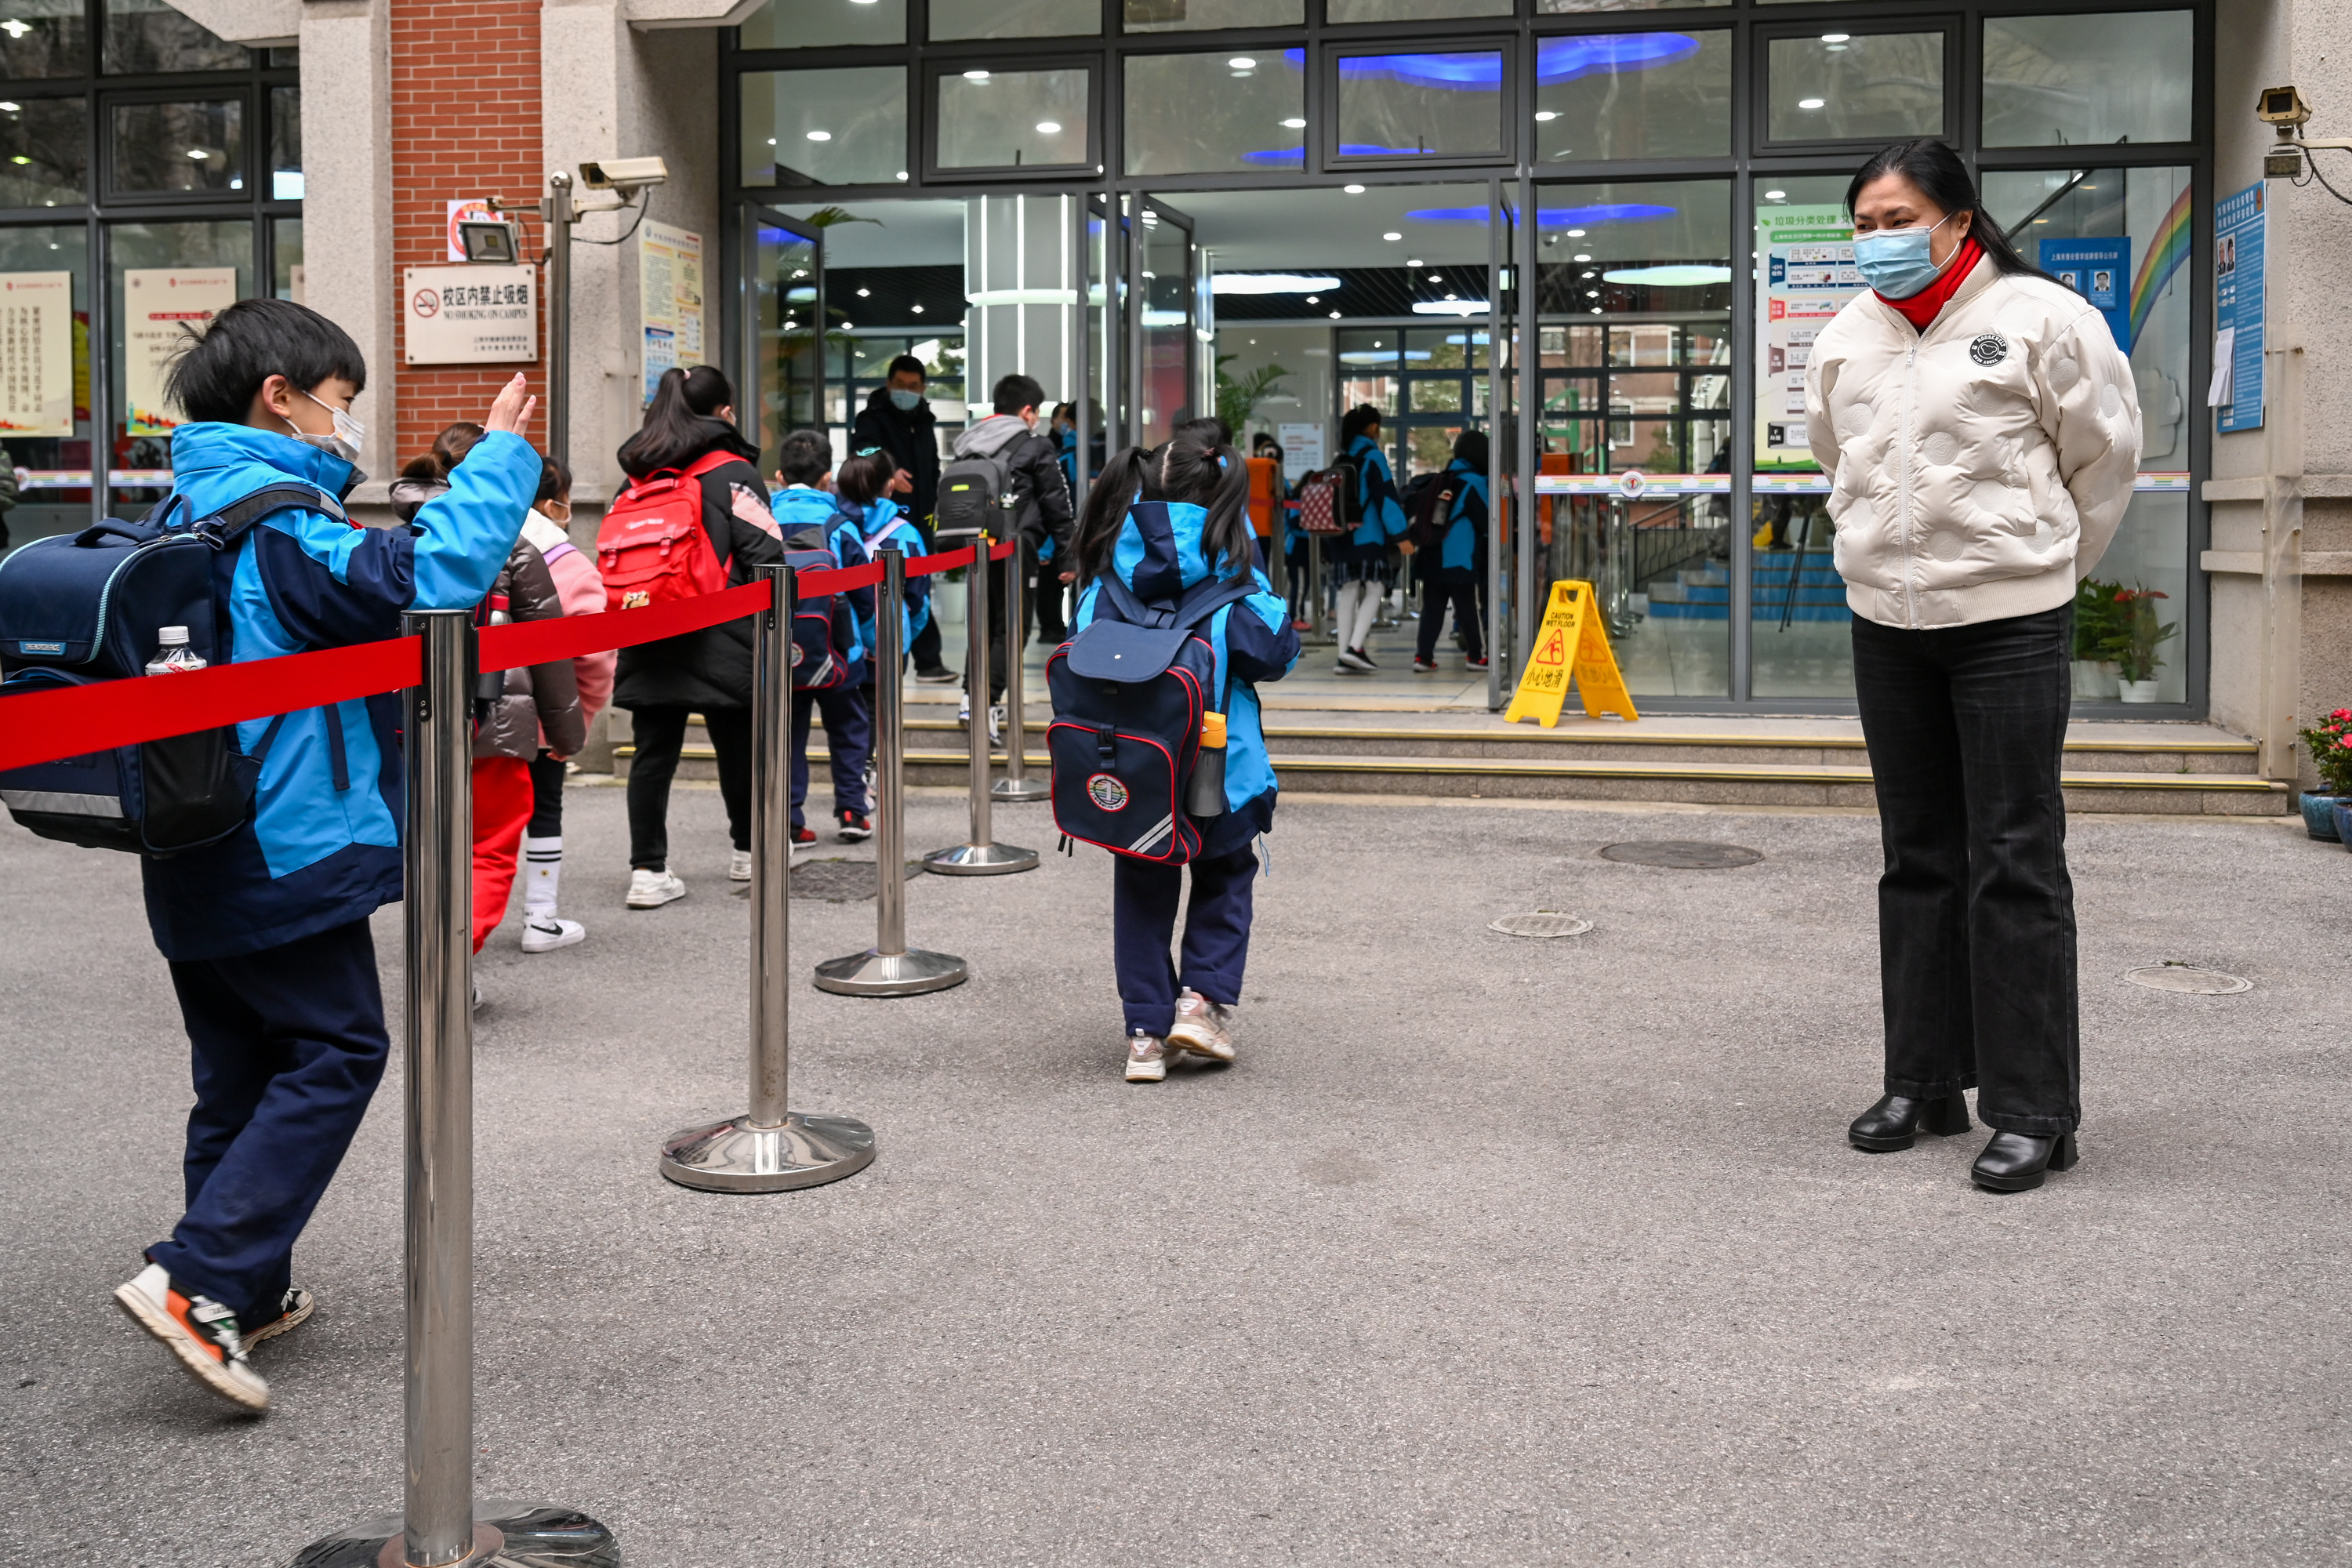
1922, 308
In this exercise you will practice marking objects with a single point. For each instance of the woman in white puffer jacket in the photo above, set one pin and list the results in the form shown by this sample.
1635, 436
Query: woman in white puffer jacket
1982, 434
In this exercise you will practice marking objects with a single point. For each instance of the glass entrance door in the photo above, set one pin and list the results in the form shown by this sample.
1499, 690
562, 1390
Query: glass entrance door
1164, 313
784, 329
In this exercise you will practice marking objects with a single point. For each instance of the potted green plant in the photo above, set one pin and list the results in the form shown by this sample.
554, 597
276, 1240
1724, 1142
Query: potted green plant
2325, 809
2137, 639
2096, 679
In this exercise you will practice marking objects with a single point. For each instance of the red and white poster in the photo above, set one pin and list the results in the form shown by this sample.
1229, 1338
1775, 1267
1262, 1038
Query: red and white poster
36, 360
160, 306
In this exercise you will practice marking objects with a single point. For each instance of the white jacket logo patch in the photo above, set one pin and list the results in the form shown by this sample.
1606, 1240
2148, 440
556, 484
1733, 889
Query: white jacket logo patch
1989, 347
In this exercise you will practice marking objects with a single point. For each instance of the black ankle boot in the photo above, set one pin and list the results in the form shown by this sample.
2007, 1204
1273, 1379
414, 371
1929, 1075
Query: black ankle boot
1897, 1119
2016, 1161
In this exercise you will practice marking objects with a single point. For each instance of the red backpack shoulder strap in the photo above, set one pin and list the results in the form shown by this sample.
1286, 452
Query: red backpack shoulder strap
708, 461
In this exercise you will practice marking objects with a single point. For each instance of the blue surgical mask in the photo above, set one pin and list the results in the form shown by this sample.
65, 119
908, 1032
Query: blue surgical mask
904, 401
1894, 261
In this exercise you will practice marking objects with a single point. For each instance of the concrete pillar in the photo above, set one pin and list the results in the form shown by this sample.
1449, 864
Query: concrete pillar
1021, 277
347, 213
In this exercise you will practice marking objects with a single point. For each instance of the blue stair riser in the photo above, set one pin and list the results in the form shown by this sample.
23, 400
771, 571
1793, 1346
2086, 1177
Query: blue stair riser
1764, 614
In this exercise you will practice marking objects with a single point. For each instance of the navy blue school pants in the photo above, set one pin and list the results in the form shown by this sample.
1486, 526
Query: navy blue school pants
288, 1044
848, 742
1144, 898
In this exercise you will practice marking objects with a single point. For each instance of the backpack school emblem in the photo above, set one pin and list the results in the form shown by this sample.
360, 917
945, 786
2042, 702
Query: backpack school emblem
1107, 793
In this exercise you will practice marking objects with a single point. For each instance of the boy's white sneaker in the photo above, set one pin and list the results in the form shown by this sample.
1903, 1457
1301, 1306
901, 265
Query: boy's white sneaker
546, 933
199, 1330
1147, 1058
739, 866
652, 890
1202, 1027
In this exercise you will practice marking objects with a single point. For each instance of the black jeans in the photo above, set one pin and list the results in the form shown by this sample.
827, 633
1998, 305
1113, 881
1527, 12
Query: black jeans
661, 736
1463, 597
1967, 726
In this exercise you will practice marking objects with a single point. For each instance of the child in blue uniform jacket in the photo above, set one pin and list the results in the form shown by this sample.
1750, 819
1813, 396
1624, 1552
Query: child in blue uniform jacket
803, 508
1356, 558
1159, 549
1454, 572
267, 931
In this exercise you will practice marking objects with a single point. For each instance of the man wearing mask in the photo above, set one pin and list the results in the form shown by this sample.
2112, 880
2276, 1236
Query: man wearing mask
897, 423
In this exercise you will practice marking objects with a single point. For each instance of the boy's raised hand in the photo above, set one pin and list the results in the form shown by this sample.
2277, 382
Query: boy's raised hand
512, 411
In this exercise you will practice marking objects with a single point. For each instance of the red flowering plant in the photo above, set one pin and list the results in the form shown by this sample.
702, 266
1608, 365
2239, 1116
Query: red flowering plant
2124, 629
2330, 743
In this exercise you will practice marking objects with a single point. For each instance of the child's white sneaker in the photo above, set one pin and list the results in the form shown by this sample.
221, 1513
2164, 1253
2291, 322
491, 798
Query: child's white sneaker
739, 865
199, 1330
1202, 1027
1147, 1058
652, 890
545, 933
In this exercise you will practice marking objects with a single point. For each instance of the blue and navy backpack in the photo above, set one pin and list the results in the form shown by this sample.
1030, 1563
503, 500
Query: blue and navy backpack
824, 630
82, 608
1129, 692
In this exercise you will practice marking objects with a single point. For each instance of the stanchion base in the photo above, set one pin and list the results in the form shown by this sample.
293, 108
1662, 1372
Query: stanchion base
1020, 792
737, 1157
511, 1534
981, 860
873, 973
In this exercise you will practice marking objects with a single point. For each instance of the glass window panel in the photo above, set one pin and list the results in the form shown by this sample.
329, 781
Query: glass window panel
2059, 81
1447, 104
49, 504
189, 246
1000, 120
823, 24
1412, 10
285, 278
1633, 95
1189, 115
824, 127
144, 36
286, 143
1199, 15
285, 58
1449, 348
1841, 86
1014, 18
1434, 395
42, 38
161, 148
1568, 7
44, 152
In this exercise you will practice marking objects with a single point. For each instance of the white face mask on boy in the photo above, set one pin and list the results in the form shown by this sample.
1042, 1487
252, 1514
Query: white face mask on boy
346, 441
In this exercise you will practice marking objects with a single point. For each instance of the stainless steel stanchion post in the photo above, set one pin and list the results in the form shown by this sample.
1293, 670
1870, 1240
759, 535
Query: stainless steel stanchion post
982, 856
773, 1148
1017, 787
1318, 625
888, 968
441, 1526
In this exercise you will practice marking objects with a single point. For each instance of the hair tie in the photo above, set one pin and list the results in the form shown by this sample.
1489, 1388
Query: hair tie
1221, 459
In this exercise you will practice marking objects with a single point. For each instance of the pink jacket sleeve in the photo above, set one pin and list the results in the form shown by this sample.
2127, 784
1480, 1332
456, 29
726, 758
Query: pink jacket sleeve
582, 589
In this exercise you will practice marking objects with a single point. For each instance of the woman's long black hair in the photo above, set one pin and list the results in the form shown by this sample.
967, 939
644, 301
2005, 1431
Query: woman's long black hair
681, 423
1943, 179
1193, 467
1356, 422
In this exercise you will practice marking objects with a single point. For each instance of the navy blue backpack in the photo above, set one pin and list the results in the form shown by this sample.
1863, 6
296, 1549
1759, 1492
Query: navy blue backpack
824, 630
81, 608
1129, 692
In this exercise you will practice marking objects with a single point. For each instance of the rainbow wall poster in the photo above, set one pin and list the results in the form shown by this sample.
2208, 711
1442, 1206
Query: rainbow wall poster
2166, 251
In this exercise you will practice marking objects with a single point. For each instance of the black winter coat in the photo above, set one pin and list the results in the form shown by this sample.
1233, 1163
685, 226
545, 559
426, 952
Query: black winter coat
712, 667
913, 443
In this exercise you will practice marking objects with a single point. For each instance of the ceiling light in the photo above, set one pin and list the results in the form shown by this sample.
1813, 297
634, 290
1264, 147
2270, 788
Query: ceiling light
196, 152
1576, 233
1392, 235
1309, 284
820, 135
1313, 298
975, 75
1353, 189
1049, 127
1450, 308
1243, 63
14, 28
1835, 38
1335, 315
1580, 255
864, 293
20, 158
1810, 103
1776, 195
1413, 264
902, 173
1437, 278
10, 108
1592, 293
1590, 274
772, 141
1294, 125
1546, 116
917, 309
1684, 276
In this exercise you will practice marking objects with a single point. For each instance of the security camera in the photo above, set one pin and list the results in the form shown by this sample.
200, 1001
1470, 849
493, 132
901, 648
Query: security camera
626, 175
2283, 106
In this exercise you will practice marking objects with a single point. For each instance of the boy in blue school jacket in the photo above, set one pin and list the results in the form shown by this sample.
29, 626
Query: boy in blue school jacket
1453, 572
266, 932
803, 510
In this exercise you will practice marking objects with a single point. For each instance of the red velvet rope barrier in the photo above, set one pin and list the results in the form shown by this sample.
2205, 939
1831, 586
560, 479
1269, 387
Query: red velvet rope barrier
42, 726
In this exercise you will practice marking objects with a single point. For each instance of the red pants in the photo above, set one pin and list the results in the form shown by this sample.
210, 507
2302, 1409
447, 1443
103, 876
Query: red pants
502, 802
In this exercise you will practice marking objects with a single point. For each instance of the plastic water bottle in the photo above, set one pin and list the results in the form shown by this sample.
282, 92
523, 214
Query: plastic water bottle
173, 653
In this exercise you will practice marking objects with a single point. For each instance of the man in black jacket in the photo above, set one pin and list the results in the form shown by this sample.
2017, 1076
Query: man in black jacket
898, 421
1041, 506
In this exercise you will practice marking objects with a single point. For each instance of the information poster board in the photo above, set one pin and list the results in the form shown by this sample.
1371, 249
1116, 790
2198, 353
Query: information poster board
669, 291
36, 360
1805, 273
471, 315
2100, 271
2238, 234
160, 306
1302, 450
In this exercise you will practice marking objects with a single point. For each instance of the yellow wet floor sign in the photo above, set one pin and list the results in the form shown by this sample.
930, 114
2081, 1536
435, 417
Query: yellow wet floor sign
1571, 642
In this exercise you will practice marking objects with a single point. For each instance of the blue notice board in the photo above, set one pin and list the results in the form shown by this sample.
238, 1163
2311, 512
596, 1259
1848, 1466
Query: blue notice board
2100, 271
2238, 309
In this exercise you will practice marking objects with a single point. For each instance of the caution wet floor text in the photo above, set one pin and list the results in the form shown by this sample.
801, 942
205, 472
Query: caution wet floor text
1570, 642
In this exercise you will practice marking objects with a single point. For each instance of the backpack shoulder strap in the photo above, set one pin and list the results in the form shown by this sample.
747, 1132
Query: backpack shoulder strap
1209, 596
224, 527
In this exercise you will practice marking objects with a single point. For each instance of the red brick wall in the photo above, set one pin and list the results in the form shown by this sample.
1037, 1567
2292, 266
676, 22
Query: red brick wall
465, 122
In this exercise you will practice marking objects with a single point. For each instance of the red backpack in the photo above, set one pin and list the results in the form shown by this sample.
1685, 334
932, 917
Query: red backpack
652, 548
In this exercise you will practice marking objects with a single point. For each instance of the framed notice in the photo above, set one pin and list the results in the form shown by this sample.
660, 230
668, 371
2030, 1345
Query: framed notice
470, 315
37, 362
2238, 234
669, 291
1302, 449
1804, 276
2099, 269
161, 307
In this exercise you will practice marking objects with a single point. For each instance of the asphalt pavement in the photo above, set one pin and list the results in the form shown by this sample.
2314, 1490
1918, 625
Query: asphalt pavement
1487, 1250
